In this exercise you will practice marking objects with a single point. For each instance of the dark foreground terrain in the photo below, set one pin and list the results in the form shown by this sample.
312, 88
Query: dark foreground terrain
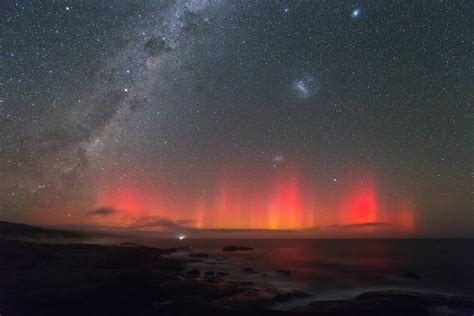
78, 279
23, 231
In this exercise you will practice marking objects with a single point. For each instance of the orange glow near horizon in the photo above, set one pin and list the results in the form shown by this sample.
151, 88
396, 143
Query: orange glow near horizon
285, 208
276, 202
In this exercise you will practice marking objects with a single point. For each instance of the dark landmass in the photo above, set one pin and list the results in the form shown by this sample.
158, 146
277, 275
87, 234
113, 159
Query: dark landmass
411, 275
249, 270
19, 231
127, 243
236, 248
199, 255
85, 279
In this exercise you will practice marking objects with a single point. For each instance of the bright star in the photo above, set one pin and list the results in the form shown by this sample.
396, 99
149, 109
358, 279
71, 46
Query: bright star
355, 13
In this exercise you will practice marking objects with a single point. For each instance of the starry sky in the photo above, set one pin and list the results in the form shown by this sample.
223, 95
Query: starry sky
339, 117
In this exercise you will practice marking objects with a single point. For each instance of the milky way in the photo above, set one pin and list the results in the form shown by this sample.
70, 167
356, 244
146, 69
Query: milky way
218, 114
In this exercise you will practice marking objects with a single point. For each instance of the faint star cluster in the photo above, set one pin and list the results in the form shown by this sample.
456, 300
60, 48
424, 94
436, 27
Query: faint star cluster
305, 87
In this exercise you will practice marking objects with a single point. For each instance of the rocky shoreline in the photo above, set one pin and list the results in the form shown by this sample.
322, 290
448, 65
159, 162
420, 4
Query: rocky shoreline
79, 279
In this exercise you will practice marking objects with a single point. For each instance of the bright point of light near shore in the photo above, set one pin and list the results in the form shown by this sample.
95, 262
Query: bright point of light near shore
181, 237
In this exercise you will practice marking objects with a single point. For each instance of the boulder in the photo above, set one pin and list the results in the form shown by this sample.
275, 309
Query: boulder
411, 275
193, 273
199, 255
236, 248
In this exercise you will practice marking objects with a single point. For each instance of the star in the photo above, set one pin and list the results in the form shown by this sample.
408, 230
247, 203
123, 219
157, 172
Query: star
355, 13
182, 100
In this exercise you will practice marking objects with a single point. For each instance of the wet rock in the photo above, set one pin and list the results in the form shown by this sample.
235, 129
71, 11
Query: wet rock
249, 270
390, 303
193, 273
411, 275
258, 298
184, 248
236, 248
240, 283
199, 255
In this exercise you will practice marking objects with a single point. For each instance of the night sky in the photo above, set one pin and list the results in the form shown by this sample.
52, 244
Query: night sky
327, 116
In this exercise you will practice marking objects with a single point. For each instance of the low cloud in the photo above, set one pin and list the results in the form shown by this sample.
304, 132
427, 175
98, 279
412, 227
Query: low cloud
164, 224
103, 211
360, 225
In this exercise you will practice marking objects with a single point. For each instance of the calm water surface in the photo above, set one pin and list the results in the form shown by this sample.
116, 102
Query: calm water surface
336, 269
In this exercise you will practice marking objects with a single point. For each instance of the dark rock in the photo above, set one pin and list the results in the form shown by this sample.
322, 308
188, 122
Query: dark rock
222, 274
60, 275
249, 270
236, 248
391, 303
199, 255
49, 279
210, 273
14, 230
193, 273
411, 275
287, 272
183, 248
126, 243
258, 298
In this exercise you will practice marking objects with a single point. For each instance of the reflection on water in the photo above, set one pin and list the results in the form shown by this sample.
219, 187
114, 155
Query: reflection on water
338, 268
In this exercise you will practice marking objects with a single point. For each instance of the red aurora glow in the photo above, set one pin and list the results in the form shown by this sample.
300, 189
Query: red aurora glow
360, 205
278, 202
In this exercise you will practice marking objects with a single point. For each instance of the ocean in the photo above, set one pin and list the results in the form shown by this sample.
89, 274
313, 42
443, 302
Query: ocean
337, 268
